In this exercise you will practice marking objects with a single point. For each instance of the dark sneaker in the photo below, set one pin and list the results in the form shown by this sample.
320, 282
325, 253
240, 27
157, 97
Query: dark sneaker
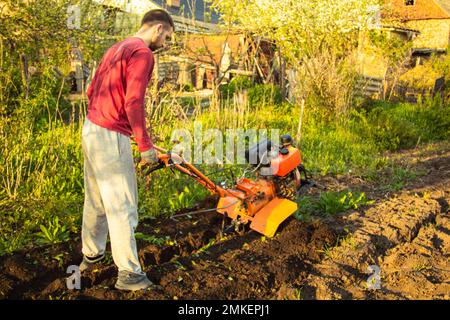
88, 262
132, 281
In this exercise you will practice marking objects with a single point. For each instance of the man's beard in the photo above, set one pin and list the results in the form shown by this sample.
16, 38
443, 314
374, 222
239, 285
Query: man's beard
154, 46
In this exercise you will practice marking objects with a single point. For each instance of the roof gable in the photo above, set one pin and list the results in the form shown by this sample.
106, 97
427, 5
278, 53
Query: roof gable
420, 10
445, 5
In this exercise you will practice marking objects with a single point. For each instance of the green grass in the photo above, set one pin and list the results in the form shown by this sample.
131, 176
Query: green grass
330, 203
343, 241
328, 251
205, 248
394, 126
391, 177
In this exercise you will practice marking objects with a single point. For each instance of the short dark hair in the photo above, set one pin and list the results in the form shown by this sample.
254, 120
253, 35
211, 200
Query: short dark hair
157, 16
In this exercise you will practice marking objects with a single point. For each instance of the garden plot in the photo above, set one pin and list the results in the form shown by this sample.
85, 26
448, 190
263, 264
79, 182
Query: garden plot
405, 232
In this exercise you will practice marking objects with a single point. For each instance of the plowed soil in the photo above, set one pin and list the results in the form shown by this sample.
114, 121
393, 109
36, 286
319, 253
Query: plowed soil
404, 233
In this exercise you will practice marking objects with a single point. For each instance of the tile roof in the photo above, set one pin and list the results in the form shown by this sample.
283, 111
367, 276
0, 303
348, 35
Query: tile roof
420, 10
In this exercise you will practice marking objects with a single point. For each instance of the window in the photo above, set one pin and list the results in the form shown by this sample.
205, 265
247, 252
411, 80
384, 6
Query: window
409, 2
173, 3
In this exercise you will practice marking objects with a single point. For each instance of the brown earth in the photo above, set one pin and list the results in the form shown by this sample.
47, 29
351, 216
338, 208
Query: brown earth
405, 233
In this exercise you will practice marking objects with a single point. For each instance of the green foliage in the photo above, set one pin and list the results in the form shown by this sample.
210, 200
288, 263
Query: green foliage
316, 38
188, 101
347, 240
158, 241
328, 251
441, 65
398, 178
205, 248
329, 149
236, 84
188, 87
330, 203
258, 95
60, 259
263, 94
53, 232
180, 200
394, 49
305, 209
168, 194
394, 126
387, 132
391, 177
41, 161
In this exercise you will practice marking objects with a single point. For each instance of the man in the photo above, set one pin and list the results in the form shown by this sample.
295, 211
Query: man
115, 112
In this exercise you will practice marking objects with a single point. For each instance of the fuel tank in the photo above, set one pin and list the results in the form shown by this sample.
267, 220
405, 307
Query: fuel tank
286, 161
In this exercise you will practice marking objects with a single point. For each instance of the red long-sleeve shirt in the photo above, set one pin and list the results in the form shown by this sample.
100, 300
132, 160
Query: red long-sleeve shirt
117, 91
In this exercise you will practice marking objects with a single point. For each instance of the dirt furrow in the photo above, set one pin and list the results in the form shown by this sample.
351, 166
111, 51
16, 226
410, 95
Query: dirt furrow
405, 236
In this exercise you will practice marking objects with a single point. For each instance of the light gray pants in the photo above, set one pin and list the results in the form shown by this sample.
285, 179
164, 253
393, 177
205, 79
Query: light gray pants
110, 196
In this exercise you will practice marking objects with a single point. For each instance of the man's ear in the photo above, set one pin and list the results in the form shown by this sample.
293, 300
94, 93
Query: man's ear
159, 28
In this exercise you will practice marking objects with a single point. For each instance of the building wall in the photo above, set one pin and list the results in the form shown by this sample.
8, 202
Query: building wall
369, 60
434, 33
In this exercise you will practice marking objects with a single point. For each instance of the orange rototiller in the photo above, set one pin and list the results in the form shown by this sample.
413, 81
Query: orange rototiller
263, 203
